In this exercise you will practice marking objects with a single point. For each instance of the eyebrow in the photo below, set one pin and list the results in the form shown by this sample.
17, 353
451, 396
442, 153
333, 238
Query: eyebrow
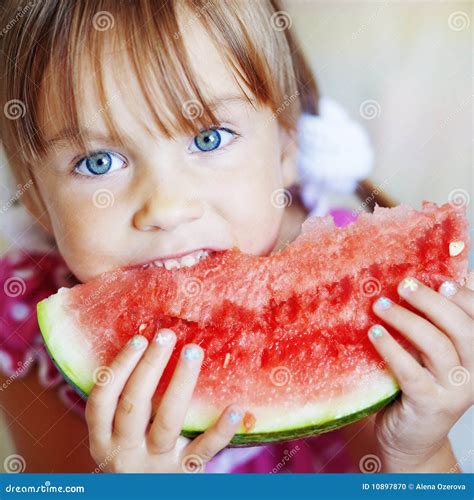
65, 134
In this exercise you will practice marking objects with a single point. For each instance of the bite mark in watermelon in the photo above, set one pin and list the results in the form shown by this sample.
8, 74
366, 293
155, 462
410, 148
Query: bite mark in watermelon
284, 335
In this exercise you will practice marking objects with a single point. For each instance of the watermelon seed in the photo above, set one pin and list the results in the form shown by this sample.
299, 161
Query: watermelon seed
142, 327
226, 360
455, 248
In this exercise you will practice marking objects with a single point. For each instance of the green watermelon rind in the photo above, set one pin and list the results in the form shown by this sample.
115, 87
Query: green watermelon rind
251, 439
82, 384
47, 329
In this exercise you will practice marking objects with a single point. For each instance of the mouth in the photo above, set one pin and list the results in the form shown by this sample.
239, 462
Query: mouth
177, 261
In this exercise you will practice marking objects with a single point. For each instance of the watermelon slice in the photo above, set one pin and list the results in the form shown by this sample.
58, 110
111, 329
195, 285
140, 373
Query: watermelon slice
284, 335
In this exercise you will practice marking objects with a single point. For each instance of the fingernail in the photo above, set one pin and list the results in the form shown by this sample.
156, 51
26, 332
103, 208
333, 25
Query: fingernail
382, 304
408, 286
137, 342
192, 353
376, 331
164, 337
448, 288
234, 415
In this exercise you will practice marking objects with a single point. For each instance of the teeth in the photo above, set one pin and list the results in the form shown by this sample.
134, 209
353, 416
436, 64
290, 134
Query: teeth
171, 263
188, 260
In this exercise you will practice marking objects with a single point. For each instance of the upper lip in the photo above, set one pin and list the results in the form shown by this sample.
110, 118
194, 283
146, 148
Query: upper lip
175, 256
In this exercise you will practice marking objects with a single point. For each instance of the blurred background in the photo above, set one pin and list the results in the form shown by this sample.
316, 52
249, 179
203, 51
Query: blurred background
404, 70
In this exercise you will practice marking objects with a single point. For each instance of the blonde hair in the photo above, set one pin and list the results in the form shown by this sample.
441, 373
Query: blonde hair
58, 34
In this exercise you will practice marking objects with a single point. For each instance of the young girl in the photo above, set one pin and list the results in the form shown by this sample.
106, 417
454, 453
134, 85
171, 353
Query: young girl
142, 131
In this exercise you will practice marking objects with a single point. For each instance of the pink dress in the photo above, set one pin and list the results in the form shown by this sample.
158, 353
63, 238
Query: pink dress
29, 277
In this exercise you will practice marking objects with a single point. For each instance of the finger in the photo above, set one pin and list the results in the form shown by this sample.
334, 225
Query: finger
104, 396
217, 437
135, 404
462, 296
450, 318
169, 417
412, 378
437, 351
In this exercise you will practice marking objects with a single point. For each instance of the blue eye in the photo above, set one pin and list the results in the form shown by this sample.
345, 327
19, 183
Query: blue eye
98, 163
212, 138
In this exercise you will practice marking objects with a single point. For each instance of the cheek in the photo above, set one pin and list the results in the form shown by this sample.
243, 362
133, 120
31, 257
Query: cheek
251, 202
85, 239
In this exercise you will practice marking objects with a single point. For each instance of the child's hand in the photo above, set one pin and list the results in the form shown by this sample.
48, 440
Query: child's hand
121, 438
434, 396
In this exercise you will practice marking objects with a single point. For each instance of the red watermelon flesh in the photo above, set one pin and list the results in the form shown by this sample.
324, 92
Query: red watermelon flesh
284, 335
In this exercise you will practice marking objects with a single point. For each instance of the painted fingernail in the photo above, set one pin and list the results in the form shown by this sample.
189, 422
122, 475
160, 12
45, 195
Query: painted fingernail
382, 304
448, 288
234, 415
137, 342
164, 337
408, 286
192, 353
376, 331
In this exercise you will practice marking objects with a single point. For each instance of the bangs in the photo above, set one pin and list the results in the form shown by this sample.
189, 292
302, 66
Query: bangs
72, 36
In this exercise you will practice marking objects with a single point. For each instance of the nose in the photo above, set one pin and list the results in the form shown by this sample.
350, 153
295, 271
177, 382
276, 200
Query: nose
167, 212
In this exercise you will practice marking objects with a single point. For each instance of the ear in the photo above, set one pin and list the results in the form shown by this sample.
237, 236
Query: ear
289, 156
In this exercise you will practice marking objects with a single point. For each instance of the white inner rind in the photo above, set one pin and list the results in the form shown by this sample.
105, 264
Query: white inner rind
375, 387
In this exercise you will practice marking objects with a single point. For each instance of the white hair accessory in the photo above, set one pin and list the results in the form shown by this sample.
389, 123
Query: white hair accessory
334, 153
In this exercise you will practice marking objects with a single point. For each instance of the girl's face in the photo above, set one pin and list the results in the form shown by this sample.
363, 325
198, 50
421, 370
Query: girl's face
159, 197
